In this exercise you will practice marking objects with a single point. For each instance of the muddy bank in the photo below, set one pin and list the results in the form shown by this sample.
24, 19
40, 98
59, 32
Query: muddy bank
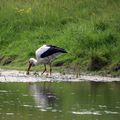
20, 76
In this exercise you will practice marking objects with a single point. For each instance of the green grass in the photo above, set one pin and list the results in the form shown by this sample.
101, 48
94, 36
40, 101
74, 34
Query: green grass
85, 28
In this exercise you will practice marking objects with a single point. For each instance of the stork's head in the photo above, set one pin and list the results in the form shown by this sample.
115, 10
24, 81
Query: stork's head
32, 62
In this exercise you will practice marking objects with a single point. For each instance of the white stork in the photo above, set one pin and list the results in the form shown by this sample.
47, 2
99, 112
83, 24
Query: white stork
45, 55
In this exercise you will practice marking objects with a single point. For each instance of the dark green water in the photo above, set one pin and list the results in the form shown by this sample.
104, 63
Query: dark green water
60, 101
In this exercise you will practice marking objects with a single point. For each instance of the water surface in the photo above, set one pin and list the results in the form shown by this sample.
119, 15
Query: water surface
60, 101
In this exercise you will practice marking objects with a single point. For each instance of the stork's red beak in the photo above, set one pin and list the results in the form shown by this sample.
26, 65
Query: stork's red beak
29, 68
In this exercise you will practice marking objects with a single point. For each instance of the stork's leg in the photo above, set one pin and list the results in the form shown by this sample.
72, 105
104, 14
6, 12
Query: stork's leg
44, 69
50, 68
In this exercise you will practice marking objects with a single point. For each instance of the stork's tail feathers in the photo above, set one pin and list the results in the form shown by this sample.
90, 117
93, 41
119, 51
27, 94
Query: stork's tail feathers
64, 51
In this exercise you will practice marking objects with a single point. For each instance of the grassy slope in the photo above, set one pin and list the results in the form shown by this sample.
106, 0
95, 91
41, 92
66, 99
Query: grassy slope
86, 28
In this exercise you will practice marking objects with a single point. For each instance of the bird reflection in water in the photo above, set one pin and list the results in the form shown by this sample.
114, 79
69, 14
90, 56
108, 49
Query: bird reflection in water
43, 96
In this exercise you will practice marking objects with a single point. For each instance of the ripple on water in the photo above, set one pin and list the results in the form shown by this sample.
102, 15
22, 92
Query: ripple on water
54, 110
27, 105
111, 112
94, 113
9, 113
102, 106
25, 95
43, 110
87, 113
3, 91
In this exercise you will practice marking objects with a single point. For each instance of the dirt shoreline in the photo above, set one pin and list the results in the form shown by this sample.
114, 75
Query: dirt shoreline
20, 76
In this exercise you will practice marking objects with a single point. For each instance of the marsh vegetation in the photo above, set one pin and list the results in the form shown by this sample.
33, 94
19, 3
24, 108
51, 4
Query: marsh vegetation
88, 29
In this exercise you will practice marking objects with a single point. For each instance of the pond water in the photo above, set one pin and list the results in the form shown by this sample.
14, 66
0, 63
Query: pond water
60, 101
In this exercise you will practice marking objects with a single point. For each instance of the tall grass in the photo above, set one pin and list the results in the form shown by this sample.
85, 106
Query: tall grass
85, 28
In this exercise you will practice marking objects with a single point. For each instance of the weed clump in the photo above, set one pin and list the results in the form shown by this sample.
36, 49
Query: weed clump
1, 58
97, 63
116, 67
8, 60
100, 26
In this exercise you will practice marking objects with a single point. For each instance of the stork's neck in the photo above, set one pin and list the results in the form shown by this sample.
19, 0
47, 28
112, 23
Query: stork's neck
35, 61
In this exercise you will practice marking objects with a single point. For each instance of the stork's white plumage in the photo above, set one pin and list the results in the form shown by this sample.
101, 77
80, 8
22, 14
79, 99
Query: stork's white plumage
45, 55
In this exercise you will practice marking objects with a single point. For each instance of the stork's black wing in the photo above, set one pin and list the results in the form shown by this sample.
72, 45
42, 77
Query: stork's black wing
52, 50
